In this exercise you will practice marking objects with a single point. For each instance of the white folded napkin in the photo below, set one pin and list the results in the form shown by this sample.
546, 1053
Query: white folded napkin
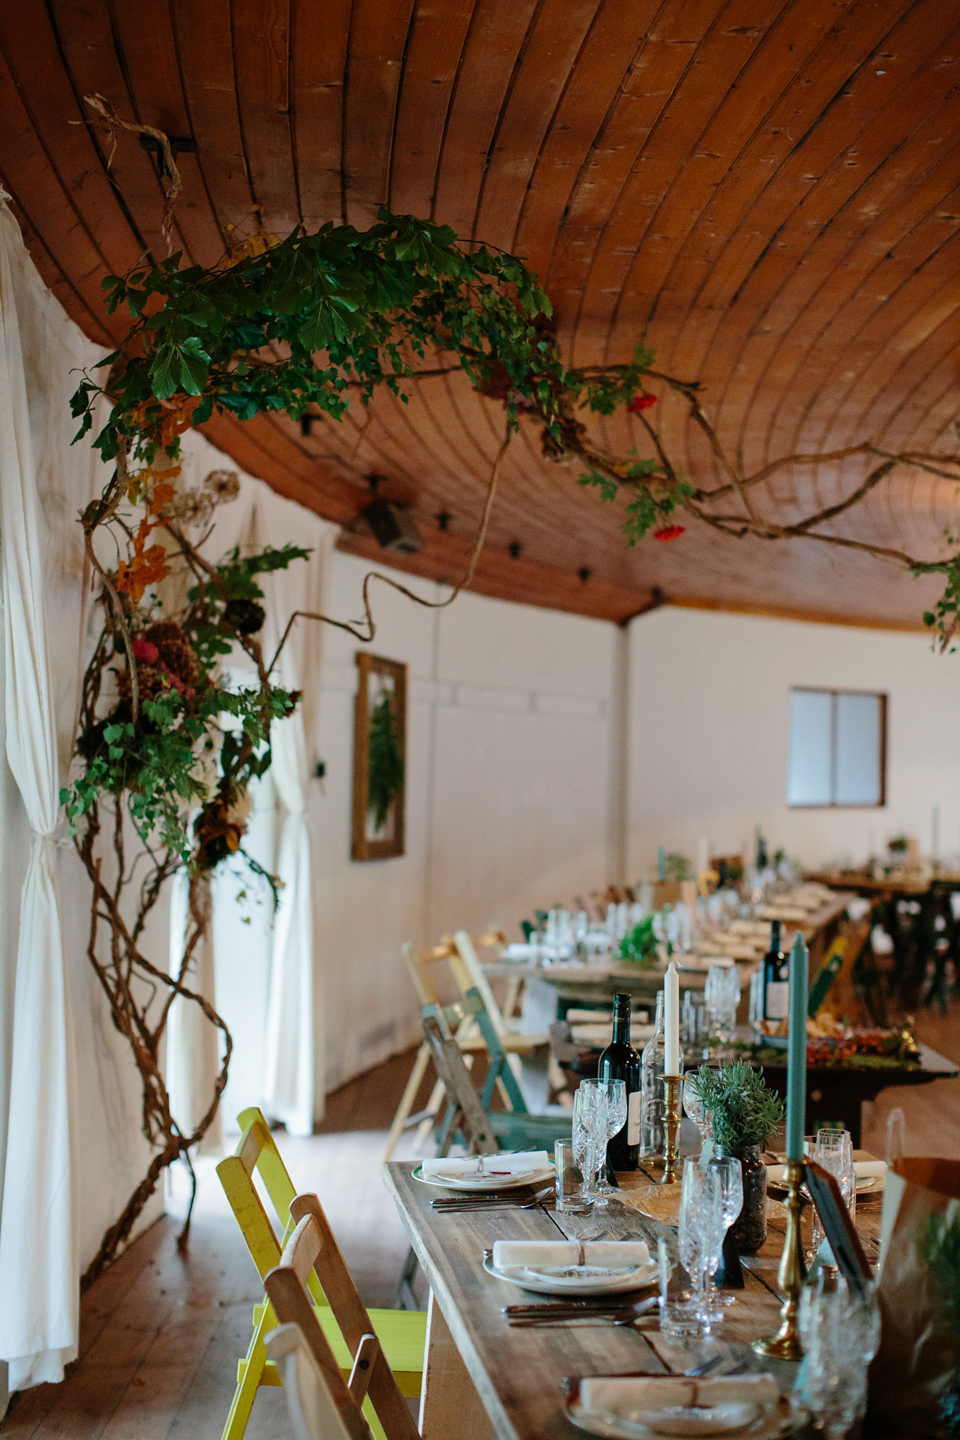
535, 1254
628, 1397
862, 1169
496, 1166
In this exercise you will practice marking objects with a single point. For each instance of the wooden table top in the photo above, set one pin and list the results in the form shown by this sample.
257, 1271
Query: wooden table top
518, 1373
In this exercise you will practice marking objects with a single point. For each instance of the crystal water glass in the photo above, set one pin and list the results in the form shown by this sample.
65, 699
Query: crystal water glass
730, 1174
589, 1132
701, 1229
616, 1112
833, 1151
721, 995
840, 1330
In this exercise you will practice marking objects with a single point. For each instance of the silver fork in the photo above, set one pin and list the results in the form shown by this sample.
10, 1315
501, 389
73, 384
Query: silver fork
491, 1202
558, 1315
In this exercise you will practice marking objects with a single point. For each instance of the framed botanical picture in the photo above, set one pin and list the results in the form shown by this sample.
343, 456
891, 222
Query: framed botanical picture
379, 758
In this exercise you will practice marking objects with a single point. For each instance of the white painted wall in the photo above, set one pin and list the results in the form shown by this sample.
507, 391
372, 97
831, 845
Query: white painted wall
709, 718
507, 793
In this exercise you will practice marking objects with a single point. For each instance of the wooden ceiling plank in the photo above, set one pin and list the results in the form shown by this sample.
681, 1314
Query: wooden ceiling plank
32, 57
494, 42
379, 30
582, 116
843, 341
658, 70
85, 37
260, 447
433, 61
819, 74
261, 47
551, 52
714, 66
829, 186
319, 34
445, 557
695, 193
141, 66
204, 43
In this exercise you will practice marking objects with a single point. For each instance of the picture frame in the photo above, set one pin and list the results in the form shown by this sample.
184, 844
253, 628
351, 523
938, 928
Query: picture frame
379, 758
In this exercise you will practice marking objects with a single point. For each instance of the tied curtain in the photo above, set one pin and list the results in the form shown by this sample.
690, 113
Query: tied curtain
39, 1249
292, 1042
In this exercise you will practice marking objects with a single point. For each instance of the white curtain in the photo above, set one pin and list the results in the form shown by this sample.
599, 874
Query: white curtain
193, 1043
39, 1261
294, 1032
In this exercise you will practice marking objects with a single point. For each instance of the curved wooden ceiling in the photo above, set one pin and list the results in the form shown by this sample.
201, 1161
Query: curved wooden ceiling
767, 192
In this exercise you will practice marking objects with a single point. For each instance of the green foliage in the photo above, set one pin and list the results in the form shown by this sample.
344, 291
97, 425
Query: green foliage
938, 1246
343, 306
743, 1110
650, 505
190, 742
677, 867
385, 769
640, 944
944, 618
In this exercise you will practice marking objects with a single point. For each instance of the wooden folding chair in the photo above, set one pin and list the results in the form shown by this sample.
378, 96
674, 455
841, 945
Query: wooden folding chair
421, 967
504, 1024
319, 1409
468, 1114
311, 1253
402, 1332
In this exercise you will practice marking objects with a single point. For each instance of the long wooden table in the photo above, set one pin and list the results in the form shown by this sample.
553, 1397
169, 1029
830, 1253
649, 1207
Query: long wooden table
484, 1379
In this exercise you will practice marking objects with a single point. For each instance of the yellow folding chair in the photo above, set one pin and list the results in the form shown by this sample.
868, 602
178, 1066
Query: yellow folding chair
402, 1333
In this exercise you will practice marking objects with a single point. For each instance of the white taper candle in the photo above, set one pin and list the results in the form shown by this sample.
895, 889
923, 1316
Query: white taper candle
671, 1021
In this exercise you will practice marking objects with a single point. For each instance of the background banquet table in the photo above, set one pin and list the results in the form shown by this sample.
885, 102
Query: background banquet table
594, 983
516, 1375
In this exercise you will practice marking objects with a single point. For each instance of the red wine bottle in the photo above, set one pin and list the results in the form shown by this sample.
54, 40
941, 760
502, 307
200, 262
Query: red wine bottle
776, 978
621, 1062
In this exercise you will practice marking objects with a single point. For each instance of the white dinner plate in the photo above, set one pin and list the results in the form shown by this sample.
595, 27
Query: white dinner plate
610, 1284
483, 1180
763, 1426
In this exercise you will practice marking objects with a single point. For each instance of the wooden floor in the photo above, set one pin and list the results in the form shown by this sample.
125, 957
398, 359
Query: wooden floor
161, 1333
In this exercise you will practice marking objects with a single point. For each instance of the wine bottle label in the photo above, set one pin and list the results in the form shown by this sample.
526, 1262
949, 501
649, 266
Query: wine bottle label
777, 1000
634, 1103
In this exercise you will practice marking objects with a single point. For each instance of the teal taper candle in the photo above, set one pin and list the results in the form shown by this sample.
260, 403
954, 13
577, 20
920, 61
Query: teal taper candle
797, 1050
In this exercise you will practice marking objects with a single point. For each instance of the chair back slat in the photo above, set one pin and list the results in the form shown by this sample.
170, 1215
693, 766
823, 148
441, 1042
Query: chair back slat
312, 1249
313, 1409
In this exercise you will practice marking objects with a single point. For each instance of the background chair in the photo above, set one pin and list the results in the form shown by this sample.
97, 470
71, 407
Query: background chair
422, 967
468, 1115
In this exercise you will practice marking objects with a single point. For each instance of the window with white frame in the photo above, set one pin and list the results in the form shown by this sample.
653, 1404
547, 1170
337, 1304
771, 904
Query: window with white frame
837, 748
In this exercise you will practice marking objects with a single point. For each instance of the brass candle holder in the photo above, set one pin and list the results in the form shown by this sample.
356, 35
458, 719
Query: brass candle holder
672, 1089
785, 1345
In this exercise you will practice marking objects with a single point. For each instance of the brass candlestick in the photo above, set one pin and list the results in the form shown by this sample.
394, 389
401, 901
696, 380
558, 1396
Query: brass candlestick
785, 1345
672, 1087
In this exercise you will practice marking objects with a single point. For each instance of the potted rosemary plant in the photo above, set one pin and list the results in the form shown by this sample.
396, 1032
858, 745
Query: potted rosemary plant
744, 1114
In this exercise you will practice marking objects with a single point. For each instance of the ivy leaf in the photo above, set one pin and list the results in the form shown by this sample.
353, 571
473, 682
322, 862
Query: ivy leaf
165, 371
194, 367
